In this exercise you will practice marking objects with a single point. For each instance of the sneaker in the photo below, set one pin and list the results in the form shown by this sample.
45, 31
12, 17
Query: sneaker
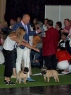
11, 83
7, 83
30, 79
65, 72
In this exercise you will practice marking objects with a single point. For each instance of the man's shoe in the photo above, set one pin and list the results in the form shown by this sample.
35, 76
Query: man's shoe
30, 79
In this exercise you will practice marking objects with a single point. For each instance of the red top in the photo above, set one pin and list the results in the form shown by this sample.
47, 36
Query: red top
63, 55
50, 42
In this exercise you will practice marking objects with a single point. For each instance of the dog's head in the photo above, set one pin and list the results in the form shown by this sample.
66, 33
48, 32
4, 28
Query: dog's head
26, 70
43, 70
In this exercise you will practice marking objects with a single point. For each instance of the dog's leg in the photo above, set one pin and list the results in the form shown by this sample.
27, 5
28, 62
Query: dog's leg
24, 80
19, 80
45, 79
16, 80
57, 79
48, 79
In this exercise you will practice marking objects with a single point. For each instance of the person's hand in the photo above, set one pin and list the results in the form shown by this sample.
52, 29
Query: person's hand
36, 49
38, 30
64, 30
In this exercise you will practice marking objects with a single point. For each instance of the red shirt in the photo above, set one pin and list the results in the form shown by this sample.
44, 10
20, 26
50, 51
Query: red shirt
63, 55
50, 42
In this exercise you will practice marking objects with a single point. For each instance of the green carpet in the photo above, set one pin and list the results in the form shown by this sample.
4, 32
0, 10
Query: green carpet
39, 81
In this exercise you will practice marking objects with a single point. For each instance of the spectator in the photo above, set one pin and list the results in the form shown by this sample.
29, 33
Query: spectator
66, 42
2, 60
35, 21
18, 19
12, 23
63, 58
45, 24
58, 26
67, 26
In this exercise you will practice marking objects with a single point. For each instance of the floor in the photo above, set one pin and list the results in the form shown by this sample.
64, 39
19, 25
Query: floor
49, 90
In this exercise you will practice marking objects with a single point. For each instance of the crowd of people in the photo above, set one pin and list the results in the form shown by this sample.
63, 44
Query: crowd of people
36, 44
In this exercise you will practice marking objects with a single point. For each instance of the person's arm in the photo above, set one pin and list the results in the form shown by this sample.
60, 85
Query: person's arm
30, 47
26, 44
35, 32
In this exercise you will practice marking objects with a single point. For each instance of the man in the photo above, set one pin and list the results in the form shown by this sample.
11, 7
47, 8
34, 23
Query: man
50, 42
23, 52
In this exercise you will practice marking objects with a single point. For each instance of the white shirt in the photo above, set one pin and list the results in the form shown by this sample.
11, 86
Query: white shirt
25, 27
9, 44
45, 28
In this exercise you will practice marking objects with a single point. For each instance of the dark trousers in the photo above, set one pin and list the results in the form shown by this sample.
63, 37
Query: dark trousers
14, 56
8, 63
50, 62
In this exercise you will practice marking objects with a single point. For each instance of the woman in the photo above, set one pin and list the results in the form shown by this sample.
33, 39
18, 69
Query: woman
11, 40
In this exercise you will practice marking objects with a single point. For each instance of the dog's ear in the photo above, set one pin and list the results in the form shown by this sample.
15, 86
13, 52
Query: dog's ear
44, 68
26, 69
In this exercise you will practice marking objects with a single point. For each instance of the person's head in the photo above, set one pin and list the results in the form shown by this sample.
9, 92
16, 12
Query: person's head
64, 36
66, 22
20, 32
12, 21
49, 24
58, 25
36, 26
18, 19
45, 21
35, 20
26, 19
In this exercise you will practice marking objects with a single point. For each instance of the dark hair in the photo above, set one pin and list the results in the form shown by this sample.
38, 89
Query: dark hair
59, 24
65, 34
36, 19
67, 19
50, 22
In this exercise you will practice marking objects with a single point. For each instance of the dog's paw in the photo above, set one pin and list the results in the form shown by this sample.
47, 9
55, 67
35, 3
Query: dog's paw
25, 83
19, 82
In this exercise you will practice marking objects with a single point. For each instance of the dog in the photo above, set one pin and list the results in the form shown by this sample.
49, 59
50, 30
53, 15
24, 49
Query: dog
23, 74
49, 73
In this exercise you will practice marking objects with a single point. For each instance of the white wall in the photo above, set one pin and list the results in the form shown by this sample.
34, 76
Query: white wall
57, 13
